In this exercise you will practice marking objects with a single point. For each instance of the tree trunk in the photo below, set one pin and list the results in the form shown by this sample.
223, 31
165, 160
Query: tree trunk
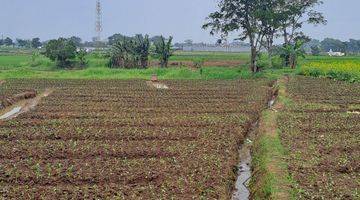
253, 66
292, 61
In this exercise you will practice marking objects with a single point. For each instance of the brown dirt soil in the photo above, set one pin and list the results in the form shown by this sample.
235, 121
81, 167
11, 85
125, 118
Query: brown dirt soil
323, 146
115, 139
26, 100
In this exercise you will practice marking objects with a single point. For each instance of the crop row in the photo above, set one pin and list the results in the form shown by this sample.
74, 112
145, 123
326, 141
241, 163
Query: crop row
320, 127
124, 139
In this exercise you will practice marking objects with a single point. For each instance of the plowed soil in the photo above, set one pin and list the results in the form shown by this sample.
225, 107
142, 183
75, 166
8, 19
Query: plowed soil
126, 140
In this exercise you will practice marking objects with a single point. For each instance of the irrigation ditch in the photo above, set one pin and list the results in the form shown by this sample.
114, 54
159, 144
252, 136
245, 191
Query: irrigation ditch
261, 171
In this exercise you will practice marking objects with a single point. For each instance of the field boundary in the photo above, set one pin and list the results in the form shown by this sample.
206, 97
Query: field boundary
271, 179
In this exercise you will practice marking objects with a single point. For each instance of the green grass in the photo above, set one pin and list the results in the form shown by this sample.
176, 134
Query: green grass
210, 56
106, 73
24, 66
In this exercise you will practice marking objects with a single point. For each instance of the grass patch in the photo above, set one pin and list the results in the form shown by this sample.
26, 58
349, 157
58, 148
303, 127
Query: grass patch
209, 73
271, 179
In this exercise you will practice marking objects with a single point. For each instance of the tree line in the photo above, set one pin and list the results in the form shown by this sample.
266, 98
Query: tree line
316, 47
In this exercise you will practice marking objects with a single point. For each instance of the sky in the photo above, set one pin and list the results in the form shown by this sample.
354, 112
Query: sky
182, 19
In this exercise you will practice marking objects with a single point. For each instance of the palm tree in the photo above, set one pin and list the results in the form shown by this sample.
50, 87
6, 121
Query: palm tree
163, 50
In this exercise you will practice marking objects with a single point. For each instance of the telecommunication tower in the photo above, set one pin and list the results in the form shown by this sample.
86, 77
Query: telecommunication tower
98, 23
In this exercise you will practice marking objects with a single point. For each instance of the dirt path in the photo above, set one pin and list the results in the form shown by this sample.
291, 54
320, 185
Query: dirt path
270, 170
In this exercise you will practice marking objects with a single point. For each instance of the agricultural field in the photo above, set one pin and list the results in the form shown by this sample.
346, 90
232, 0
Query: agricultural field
123, 139
345, 69
320, 129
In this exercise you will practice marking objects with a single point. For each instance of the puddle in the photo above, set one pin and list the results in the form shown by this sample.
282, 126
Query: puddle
11, 113
157, 85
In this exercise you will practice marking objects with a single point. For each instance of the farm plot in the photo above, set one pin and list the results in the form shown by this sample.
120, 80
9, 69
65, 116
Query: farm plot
321, 128
125, 140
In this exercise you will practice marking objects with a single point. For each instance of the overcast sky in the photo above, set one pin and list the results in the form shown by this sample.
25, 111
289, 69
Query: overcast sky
181, 18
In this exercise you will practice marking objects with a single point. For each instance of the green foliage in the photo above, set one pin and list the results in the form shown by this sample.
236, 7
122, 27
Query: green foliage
198, 63
76, 40
339, 69
81, 55
130, 52
8, 41
333, 44
60, 51
315, 50
290, 53
35, 43
23, 43
163, 50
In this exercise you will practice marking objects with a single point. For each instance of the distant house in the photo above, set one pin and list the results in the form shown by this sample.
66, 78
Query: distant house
335, 54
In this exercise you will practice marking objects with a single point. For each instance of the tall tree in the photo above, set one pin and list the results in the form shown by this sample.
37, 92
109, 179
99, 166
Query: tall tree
23, 43
245, 16
163, 50
76, 40
61, 51
296, 13
333, 44
35, 43
8, 41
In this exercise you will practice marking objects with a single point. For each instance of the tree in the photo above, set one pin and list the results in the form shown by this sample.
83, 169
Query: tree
130, 52
353, 46
313, 42
35, 43
271, 20
8, 41
315, 50
143, 49
23, 43
245, 16
296, 13
60, 51
155, 38
115, 38
333, 44
1, 42
76, 40
81, 55
163, 50
294, 51
188, 42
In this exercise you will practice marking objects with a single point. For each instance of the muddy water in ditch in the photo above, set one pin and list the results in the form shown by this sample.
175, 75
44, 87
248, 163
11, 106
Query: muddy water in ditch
13, 112
242, 191
24, 106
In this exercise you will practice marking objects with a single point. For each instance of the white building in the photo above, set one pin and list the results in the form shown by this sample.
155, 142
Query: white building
335, 54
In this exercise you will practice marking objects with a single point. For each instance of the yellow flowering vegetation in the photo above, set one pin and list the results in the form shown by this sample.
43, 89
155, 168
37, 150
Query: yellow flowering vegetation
346, 70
